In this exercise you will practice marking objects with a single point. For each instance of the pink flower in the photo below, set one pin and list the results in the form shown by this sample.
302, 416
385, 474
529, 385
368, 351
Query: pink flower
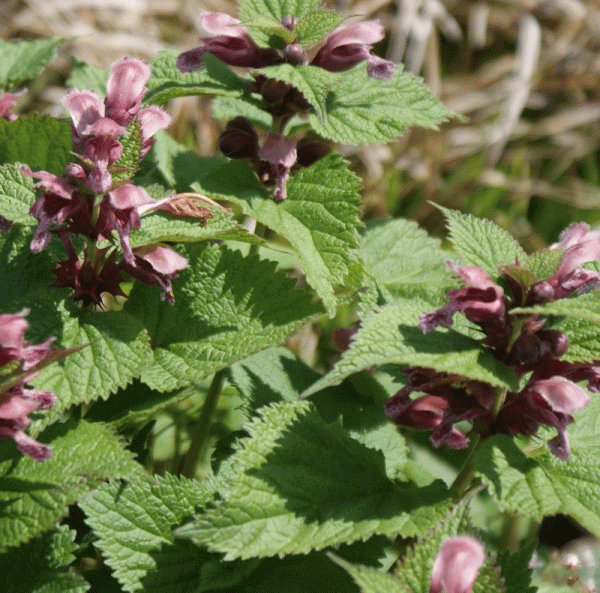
280, 153
102, 150
7, 102
457, 565
229, 43
347, 46
125, 89
151, 120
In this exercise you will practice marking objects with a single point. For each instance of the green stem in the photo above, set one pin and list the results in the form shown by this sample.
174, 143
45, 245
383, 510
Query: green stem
509, 537
201, 433
499, 401
465, 475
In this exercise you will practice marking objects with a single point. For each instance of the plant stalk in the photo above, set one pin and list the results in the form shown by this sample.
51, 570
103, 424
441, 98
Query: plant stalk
465, 475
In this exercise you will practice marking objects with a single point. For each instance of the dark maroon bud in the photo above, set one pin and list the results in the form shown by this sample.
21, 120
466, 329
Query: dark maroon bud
542, 292
528, 348
310, 151
294, 54
289, 22
556, 340
298, 101
239, 140
273, 91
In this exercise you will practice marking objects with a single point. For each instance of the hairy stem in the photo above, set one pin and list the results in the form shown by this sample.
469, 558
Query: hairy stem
201, 432
465, 475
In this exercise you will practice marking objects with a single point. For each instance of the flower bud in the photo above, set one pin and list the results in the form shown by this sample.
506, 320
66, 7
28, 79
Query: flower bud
273, 92
558, 342
542, 293
457, 565
294, 54
528, 348
239, 140
289, 22
310, 151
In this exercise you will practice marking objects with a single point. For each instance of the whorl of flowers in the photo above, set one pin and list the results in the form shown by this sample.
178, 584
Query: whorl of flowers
522, 342
17, 401
94, 197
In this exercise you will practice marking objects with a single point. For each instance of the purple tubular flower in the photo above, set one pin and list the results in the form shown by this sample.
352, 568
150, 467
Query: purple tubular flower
482, 301
125, 89
457, 565
102, 151
7, 102
348, 46
229, 43
151, 120
280, 153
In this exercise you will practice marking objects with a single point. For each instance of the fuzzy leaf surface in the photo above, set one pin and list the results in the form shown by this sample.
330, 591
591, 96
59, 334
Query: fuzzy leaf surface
371, 580
227, 307
40, 565
167, 81
390, 335
319, 217
16, 195
34, 495
543, 264
361, 109
316, 24
23, 60
480, 242
277, 8
586, 307
584, 339
544, 485
134, 524
304, 485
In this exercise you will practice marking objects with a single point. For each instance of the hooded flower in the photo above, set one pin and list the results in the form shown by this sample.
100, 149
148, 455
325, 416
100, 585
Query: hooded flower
457, 565
125, 89
280, 153
348, 46
9, 101
229, 43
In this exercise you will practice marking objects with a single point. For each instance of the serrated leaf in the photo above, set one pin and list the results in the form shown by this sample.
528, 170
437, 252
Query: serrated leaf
16, 195
404, 260
390, 335
227, 307
303, 485
371, 580
313, 82
35, 495
316, 24
584, 339
167, 81
22, 60
480, 242
119, 349
544, 485
267, 24
87, 76
515, 570
277, 8
130, 156
319, 217
40, 141
134, 524
361, 109
586, 307
544, 263
39, 566
230, 107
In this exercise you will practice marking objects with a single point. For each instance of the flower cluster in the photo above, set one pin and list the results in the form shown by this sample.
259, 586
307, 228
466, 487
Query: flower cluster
520, 341
95, 198
16, 401
230, 42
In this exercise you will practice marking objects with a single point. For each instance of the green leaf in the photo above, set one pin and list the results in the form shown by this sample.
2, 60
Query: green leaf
304, 485
227, 307
134, 524
515, 570
584, 339
230, 107
544, 485
167, 81
86, 76
586, 307
270, 26
23, 60
313, 82
118, 352
361, 109
390, 335
319, 217
316, 24
277, 8
16, 195
544, 263
35, 495
371, 580
39, 566
401, 257
130, 156
40, 141
480, 242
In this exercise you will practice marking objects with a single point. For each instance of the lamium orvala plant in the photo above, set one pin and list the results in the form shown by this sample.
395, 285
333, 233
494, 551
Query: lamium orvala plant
157, 435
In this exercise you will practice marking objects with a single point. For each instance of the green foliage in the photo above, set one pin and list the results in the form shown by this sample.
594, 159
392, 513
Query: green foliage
230, 107
86, 76
23, 60
167, 81
16, 195
390, 335
584, 339
544, 263
515, 570
39, 566
277, 8
303, 485
585, 307
481, 243
316, 24
319, 217
130, 157
34, 495
226, 308
361, 109
41, 142
264, 28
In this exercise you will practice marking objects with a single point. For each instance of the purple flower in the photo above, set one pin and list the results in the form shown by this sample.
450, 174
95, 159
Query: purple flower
229, 43
348, 46
102, 151
280, 153
125, 89
151, 120
457, 565
7, 102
